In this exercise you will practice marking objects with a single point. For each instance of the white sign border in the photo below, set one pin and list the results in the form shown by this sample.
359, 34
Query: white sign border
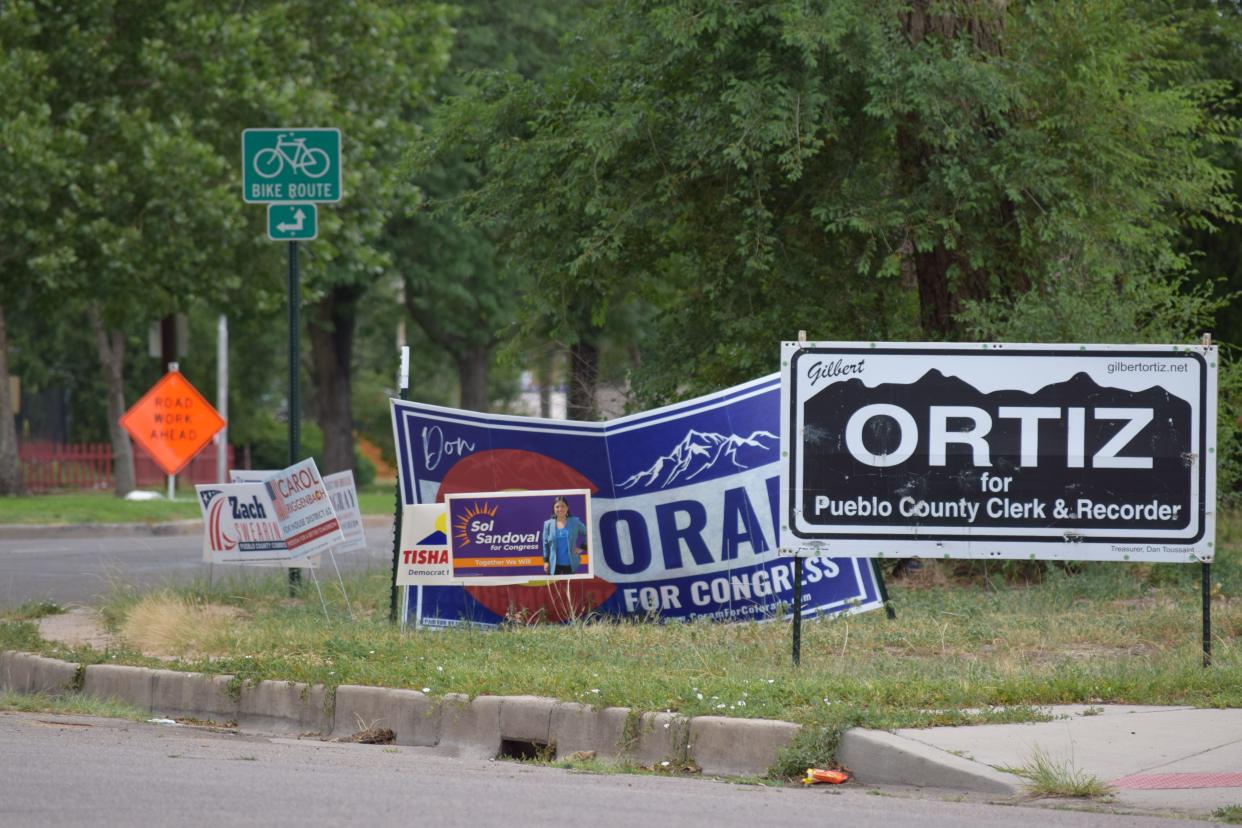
1016, 543
340, 167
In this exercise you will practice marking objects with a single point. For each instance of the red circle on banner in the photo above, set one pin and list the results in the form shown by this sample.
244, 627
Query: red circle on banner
499, 470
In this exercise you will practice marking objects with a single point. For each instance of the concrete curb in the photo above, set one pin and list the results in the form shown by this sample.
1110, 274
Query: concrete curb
29, 673
454, 725
470, 729
459, 726
132, 685
662, 737
412, 716
31, 531
579, 728
193, 696
287, 707
734, 747
880, 758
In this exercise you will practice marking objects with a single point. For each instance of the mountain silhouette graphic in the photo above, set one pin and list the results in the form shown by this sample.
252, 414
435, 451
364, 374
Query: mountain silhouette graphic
700, 451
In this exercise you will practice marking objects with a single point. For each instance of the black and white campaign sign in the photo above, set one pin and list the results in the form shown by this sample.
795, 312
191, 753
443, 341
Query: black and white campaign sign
1077, 452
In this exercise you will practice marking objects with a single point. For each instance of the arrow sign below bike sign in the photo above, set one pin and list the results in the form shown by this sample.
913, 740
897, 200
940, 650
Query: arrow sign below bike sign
282, 165
292, 222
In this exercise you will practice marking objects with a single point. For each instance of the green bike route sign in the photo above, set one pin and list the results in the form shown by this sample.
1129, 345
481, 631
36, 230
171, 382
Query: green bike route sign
291, 164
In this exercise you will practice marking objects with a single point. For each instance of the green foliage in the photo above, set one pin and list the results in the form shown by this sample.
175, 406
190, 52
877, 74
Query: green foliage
120, 133
458, 289
813, 747
19, 635
756, 169
1228, 429
32, 611
269, 448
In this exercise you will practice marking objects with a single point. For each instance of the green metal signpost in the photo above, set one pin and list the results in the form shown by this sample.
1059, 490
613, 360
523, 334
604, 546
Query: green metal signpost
291, 170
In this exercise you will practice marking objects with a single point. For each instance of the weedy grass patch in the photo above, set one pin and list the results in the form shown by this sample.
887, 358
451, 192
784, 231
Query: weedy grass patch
1049, 777
1229, 814
31, 611
952, 649
168, 624
73, 704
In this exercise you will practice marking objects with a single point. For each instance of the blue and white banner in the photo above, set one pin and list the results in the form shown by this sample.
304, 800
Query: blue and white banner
685, 509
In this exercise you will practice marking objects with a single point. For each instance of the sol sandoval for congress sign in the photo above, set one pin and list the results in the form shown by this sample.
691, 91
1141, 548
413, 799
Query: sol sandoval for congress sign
1082, 452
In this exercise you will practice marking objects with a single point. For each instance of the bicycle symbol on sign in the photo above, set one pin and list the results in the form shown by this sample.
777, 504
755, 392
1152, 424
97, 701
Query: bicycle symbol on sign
310, 161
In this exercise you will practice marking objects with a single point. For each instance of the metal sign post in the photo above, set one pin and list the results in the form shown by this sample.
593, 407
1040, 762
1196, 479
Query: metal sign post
403, 387
1205, 575
291, 169
797, 612
295, 414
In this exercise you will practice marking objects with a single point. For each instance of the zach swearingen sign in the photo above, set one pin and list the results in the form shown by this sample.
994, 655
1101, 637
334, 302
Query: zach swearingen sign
1077, 452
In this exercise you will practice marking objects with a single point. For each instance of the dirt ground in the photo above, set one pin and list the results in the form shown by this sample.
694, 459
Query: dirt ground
76, 627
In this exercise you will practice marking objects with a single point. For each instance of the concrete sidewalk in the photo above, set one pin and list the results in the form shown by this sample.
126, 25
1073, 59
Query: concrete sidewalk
1176, 759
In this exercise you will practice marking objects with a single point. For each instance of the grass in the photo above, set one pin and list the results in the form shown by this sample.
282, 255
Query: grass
104, 507
31, 611
1047, 777
75, 704
1230, 814
168, 623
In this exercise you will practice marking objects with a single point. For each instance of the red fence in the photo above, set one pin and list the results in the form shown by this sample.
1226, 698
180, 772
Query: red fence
48, 466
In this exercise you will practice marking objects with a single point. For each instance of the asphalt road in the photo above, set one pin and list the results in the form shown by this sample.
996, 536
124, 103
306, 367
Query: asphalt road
80, 570
71, 771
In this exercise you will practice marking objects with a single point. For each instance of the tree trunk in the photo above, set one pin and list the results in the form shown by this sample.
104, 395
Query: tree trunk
583, 379
332, 350
938, 300
111, 345
471, 356
10, 466
472, 367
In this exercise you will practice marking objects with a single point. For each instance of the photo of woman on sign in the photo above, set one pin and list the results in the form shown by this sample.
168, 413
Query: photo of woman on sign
564, 539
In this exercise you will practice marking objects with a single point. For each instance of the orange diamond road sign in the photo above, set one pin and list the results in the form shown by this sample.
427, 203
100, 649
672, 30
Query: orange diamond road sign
172, 422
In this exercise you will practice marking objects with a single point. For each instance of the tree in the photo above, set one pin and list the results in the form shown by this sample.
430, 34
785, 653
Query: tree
457, 288
861, 171
363, 67
28, 165
135, 227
